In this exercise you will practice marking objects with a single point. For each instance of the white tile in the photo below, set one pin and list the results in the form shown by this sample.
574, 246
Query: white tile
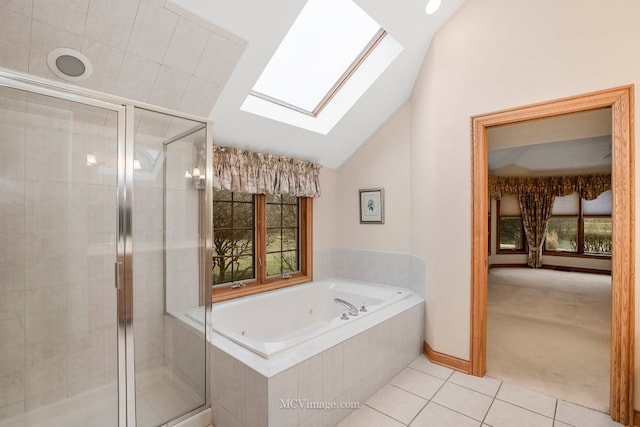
70, 15
199, 97
169, 87
110, 21
218, 60
504, 414
463, 400
352, 361
107, 63
15, 33
417, 382
282, 387
423, 364
534, 401
333, 372
397, 403
584, 417
436, 415
485, 385
367, 417
24, 7
186, 46
310, 379
152, 31
256, 401
12, 370
12, 262
137, 77
560, 424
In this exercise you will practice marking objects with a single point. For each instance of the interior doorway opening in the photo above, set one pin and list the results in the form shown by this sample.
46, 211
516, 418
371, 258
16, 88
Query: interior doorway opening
620, 100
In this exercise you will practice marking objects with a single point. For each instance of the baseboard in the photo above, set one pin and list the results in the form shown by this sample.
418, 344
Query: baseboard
446, 360
636, 418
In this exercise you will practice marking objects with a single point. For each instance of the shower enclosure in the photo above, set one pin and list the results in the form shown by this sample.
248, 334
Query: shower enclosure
104, 233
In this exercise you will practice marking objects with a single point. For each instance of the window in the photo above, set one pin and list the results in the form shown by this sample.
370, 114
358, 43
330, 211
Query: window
580, 227
332, 46
510, 229
260, 242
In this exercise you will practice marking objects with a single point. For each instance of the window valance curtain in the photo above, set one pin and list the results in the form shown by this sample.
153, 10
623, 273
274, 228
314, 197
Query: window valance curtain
588, 187
536, 196
235, 169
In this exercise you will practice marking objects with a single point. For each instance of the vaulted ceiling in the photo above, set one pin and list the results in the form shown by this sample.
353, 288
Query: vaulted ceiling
203, 57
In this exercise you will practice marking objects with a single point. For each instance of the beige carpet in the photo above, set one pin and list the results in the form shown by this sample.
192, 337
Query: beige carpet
550, 331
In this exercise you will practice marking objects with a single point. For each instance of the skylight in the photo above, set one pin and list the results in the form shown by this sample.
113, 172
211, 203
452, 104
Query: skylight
325, 48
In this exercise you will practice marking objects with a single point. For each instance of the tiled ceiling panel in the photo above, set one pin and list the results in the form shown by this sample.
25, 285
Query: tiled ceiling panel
147, 50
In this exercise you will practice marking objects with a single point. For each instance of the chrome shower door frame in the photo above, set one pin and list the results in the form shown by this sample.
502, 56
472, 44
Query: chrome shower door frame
123, 282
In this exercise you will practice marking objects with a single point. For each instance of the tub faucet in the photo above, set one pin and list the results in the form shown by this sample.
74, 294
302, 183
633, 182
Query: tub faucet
346, 304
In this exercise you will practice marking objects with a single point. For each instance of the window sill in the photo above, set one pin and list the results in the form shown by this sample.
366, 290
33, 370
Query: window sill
511, 252
575, 255
227, 292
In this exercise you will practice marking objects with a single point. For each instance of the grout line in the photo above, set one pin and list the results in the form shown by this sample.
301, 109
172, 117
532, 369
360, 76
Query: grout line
492, 402
529, 409
386, 415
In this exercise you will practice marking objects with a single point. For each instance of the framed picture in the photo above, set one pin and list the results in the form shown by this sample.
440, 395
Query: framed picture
372, 206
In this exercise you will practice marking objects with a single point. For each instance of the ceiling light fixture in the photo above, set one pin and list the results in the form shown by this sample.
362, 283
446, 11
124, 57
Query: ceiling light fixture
432, 6
69, 64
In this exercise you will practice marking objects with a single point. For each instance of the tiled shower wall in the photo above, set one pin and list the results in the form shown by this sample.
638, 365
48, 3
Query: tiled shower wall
57, 249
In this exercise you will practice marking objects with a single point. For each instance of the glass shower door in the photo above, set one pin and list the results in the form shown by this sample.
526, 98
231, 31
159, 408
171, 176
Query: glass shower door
58, 247
169, 297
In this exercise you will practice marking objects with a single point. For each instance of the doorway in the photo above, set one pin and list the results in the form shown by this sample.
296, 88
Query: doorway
622, 322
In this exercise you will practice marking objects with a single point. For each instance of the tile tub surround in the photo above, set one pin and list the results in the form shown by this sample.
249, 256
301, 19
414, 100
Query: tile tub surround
249, 391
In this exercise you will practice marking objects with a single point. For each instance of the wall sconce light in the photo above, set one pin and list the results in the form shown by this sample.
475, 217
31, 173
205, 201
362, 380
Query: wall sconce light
198, 178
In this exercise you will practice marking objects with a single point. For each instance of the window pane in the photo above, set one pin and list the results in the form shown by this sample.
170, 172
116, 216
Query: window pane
222, 217
597, 235
511, 236
233, 237
243, 197
290, 239
600, 206
290, 215
288, 199
324, 40
274, 264
243, 215
274, 215
274, 240
290, 262
221, 195
243, 242
562, 234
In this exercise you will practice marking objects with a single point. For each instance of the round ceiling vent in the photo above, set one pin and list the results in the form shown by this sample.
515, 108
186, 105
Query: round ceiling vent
69, 64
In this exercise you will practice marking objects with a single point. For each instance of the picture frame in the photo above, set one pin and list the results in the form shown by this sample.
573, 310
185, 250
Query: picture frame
372, 206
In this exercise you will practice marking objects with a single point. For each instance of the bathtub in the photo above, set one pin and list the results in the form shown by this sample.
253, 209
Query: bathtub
292, 345
294, 315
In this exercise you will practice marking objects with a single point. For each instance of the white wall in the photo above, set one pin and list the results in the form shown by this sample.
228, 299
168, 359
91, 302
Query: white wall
381, 162
325, 211
492, 55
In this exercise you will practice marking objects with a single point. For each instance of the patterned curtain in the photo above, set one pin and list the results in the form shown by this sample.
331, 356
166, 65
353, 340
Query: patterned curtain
536, 211
235, 169
588, 187
536, 196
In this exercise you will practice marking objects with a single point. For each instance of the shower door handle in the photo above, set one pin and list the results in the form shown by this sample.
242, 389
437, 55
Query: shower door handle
119, 274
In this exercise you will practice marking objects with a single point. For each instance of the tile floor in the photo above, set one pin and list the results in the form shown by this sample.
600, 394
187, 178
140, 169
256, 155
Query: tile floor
425, 394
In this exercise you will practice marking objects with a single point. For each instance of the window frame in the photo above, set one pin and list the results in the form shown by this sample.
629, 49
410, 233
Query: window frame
579, 253
263, 283
499, 251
